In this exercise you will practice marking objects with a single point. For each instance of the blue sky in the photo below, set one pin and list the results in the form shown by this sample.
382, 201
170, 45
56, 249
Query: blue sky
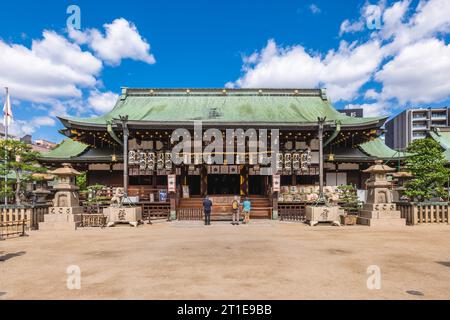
51, 71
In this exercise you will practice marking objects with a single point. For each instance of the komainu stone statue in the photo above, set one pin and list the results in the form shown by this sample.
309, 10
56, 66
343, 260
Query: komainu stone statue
117, 199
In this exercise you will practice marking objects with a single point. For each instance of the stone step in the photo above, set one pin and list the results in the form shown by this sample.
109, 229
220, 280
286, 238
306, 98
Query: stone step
58, 226
391, 222
62, 217
380, 214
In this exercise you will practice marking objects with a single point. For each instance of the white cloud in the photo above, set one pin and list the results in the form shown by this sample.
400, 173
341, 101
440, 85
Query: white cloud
314, 9
56, 48
52, 68
102, 102
407, 60
19, 128
419, 73
343, 71
56, 72
351, 27
121, 41
43, 121
371, 94
393, 18
369, 15
430, 19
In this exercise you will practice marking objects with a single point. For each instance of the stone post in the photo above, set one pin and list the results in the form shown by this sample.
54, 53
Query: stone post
274, 205
126, 133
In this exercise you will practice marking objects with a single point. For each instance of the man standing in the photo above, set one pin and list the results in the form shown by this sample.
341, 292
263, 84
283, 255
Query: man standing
207, 204
246, 208
235, 208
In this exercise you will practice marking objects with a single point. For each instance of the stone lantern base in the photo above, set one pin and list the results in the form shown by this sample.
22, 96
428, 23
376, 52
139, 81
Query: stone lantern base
62, 218
381, 214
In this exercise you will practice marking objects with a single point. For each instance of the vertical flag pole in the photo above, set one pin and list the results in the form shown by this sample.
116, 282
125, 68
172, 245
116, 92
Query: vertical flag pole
5, 122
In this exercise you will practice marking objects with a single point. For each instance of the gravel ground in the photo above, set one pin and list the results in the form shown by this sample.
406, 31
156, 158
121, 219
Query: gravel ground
264, 260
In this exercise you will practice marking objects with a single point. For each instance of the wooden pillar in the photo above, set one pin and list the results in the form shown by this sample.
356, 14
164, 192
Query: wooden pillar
244, 181
126, 133
203, 181
321, 122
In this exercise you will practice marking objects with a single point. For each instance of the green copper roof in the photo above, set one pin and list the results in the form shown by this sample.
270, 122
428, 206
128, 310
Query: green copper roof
67, 149
443, 138
377, 148
237, 106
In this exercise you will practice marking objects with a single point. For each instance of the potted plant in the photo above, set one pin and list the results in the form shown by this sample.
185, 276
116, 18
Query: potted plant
349, 201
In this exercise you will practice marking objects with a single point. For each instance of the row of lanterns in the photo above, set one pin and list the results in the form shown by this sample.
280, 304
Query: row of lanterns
163, 160
294, 161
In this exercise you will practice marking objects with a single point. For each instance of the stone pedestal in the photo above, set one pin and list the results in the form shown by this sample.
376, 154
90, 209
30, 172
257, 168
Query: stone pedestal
60, 221
383, 214
130, 215
317, 214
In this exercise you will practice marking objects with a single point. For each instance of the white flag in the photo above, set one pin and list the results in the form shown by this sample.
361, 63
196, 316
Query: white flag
7, 111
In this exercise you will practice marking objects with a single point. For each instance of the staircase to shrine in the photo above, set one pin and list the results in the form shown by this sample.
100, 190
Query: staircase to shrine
192, 208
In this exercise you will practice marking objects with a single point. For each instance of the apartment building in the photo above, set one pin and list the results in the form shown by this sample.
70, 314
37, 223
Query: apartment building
412, 124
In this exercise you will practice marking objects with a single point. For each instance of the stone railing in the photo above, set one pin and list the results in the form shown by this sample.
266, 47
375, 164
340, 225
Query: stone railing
424, 212
32, 214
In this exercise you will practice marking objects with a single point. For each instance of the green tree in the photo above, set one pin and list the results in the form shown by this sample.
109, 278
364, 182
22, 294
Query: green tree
348, 196
22, 163
427, 165
94, 195
82, 181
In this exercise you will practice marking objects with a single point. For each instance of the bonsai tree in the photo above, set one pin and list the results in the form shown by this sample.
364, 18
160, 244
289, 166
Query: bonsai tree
94, 195
22, 163
427, 165
349, 198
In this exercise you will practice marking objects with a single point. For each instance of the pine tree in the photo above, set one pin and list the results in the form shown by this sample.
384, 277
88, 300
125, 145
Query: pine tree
427, 165
22, 163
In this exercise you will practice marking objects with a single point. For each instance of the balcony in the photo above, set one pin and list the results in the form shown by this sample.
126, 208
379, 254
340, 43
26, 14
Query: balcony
439, 118
439, 124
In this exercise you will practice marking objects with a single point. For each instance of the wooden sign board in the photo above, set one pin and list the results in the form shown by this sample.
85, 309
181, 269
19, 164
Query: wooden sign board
171, 182
276, 183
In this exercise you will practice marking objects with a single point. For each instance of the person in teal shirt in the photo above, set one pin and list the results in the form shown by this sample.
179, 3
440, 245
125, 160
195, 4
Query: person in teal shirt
247, 206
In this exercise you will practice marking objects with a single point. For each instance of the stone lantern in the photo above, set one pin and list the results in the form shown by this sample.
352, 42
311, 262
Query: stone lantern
401, 178
66, 211
42, 191
379, 209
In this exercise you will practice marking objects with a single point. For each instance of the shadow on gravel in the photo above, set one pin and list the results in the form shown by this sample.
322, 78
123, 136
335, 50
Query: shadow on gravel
444, 263
8, 256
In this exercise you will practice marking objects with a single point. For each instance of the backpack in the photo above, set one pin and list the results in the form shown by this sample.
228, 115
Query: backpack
235, 205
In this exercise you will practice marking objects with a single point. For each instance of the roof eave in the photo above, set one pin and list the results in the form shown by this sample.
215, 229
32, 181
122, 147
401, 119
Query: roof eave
73, 124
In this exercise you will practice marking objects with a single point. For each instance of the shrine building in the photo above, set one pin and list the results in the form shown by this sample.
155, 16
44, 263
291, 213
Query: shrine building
141, 124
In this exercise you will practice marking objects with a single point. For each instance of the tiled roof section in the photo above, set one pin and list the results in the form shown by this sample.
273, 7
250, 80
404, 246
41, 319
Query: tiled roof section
295, 106
377, 148
443, 138
67, 149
